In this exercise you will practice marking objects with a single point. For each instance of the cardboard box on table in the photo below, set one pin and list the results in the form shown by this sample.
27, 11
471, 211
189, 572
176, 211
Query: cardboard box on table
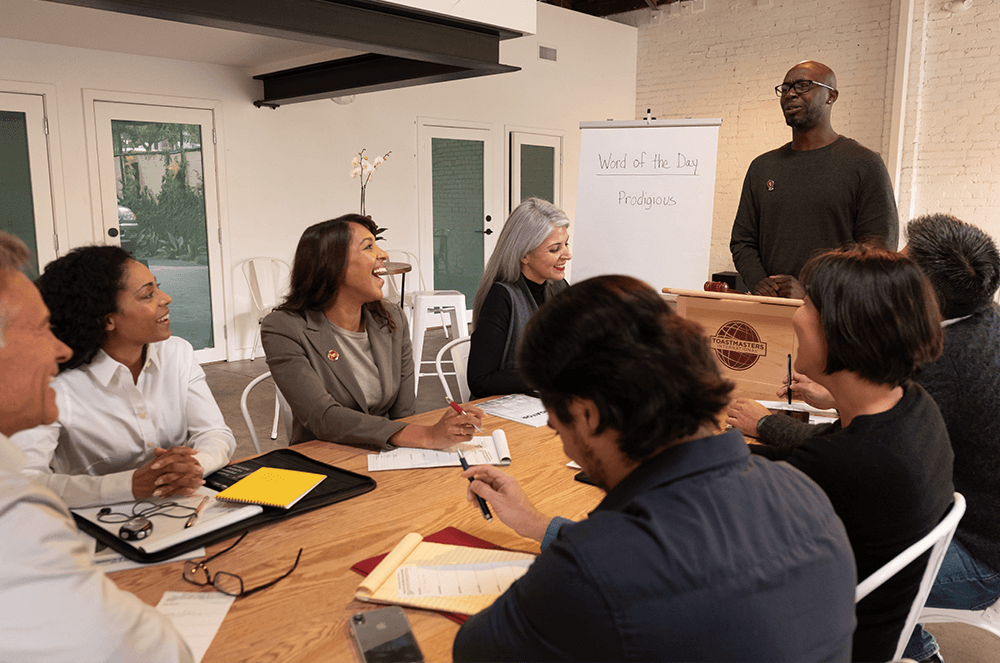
752, 336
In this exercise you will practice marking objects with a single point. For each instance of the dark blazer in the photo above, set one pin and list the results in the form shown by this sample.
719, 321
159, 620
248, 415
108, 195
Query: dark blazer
324, 395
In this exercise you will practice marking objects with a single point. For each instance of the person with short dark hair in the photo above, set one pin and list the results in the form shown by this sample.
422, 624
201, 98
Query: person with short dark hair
57, 604
962, 264
137, 418
698, 552
340, 355
869, 322
819, 191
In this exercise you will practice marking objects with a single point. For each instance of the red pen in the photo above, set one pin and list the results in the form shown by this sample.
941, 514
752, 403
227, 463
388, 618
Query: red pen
458, 408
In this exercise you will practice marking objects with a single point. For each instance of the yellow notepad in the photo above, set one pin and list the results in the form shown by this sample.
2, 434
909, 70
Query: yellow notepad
272, 486
383, 584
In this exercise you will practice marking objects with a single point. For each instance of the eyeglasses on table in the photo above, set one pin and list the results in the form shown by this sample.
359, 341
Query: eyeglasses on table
197, 573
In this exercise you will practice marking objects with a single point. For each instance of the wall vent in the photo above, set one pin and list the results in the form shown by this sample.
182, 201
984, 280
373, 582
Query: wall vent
546, 53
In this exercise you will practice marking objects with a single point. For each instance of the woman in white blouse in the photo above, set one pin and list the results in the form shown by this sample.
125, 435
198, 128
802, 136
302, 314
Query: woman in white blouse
136, 417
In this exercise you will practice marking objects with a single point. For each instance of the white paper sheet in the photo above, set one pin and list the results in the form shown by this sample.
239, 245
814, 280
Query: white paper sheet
197, 616
816, 416
459, 579
481, 450
521, 408
171, 531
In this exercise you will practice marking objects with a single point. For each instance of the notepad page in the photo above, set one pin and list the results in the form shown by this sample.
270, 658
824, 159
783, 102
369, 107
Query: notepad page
381, 586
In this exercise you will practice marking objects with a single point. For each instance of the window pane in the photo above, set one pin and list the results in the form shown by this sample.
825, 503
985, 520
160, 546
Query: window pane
457, 176
538, 172
161, 215
17, 213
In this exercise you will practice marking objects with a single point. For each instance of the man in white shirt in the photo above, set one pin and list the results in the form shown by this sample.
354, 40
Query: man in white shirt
55, 604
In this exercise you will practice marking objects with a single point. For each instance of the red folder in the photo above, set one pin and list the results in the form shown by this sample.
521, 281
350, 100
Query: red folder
449, 535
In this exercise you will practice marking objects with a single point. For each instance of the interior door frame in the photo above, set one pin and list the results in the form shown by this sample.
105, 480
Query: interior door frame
516, 136
427, 129
224, 342
54, 206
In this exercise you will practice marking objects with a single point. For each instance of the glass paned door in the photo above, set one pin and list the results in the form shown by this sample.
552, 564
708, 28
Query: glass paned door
457, 173
26, 209
157, 170
457, 227
536, 167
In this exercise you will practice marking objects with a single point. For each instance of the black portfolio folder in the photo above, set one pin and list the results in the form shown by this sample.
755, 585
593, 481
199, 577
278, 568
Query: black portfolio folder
338, 486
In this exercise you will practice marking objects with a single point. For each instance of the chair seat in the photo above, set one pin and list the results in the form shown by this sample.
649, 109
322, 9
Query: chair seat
988, 619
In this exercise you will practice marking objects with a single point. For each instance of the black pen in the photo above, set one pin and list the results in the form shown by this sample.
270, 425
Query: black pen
482, 503
789, 379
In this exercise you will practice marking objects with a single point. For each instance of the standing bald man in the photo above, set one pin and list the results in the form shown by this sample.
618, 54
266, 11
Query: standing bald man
819, 191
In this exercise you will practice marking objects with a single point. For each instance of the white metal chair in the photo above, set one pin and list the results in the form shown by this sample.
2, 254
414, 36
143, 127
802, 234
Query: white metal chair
396, 293
988, 619
459, 350
282, 411
937, 540
267, 279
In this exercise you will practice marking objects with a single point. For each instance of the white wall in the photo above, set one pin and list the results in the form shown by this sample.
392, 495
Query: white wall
725, 60
288, 168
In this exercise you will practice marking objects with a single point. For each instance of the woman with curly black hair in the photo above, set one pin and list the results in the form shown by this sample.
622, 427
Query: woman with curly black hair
136, 417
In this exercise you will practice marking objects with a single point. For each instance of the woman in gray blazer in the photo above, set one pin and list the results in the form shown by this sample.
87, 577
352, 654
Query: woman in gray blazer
340, 355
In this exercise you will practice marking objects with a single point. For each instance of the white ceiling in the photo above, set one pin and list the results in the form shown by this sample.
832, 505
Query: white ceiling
68, 25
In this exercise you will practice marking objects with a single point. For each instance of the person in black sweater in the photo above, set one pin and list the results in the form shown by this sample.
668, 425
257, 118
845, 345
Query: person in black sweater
963, 265
869, 321
527, 268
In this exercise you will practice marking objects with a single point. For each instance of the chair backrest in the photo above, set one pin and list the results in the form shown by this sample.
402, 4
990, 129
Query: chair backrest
285, 410
267, 279
459, 350
937, 540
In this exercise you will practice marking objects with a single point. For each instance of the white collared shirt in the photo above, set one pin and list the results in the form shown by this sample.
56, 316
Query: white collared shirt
55, 603
109, 425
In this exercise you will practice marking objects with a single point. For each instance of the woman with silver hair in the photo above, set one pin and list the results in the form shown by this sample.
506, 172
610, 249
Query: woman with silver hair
527, 268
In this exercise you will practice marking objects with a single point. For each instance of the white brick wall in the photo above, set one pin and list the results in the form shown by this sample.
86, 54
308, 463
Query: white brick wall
725, 60
951, 160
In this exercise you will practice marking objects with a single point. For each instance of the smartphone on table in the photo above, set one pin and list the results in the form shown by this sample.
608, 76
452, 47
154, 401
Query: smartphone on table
384, 636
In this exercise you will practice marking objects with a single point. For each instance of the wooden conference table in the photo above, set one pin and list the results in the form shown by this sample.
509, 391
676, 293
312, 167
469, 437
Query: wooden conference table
305, 616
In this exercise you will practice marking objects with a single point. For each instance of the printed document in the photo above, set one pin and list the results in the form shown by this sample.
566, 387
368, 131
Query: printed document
480, 450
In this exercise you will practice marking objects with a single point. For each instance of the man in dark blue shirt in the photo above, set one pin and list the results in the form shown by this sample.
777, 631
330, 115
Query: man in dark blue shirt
699, 552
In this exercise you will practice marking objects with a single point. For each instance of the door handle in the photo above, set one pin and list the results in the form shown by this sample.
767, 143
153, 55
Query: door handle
488, 231
112, 232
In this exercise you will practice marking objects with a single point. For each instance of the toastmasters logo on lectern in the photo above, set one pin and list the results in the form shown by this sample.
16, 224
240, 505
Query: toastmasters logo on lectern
738, 345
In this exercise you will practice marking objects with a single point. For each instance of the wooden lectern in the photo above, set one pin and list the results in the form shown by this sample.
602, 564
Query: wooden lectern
752, 336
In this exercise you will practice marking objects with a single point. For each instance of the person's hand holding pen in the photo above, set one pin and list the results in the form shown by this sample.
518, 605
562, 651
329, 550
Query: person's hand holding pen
508, 500
453, 427
811, 392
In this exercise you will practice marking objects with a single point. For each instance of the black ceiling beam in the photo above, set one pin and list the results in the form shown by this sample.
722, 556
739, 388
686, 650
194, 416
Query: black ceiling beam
404, 46
352, 24
356, 75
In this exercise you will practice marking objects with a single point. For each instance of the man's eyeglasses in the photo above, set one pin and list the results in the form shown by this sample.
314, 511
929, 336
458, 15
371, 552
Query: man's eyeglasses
800, 87
197, 573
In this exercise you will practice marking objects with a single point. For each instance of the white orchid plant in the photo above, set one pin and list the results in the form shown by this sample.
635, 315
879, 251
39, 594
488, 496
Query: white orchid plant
363, 168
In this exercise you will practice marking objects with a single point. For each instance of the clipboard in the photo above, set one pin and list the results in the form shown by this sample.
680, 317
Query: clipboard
338, 486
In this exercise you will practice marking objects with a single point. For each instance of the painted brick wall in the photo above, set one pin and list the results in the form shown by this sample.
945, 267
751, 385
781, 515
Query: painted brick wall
951, 160
710, 58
